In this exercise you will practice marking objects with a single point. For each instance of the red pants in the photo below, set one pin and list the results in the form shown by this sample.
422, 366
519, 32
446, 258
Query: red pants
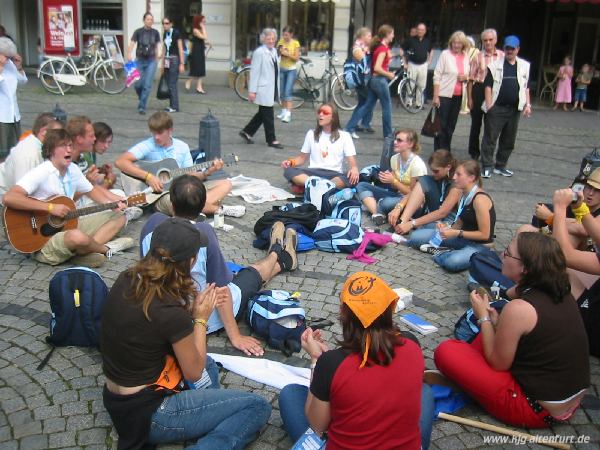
496, 391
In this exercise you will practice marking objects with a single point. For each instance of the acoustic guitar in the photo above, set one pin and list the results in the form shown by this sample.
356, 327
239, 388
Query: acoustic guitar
28, 231
166, 170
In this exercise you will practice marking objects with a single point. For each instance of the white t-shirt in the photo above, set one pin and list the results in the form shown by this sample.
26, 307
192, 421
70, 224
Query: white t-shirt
44, 181
23, 157
416, 167
325, 154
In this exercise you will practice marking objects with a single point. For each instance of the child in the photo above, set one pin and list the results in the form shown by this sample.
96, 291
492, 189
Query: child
584, 78
563, 90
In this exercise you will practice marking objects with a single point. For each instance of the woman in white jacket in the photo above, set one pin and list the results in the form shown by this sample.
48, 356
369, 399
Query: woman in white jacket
449, 78
263, 89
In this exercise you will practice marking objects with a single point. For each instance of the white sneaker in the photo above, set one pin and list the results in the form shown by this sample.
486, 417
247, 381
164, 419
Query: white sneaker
133, 213
281, 115
233, 210
118, 245
287, 117
354, 135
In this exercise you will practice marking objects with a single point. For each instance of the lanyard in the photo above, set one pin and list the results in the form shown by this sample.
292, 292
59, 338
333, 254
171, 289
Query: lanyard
168, 41
443, 191
465, 201
402, 168
68, 187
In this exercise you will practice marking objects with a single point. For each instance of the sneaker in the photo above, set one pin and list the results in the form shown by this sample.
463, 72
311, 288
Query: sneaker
428, 248
91, 260
487, 173
276, 238
233, 210
369, 130
354, 135
281, 115
290, 241
504, 172
287, 117
142, 112
133, 213
378, 219
171, 110
118, 245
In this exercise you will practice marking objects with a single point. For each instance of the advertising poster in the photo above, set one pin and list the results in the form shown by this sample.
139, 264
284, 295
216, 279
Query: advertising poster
61, 27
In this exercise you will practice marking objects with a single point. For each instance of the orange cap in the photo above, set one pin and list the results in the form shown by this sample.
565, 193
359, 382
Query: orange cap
367, 296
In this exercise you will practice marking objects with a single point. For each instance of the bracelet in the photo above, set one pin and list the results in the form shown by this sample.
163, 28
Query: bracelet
292, 162
461, 233
50, 207
413, 222
483, 319
399, 206
581, 211
550, 220
201, 322
147, 177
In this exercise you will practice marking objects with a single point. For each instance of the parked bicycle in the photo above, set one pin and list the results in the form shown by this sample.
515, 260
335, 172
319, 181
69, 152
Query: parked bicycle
331, 85
408, 91
59, 74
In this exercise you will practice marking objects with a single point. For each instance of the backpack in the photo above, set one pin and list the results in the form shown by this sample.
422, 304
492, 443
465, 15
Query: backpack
466, 328
356, 72
589, 307
77, 296
315, 189
486, 269
277, 317
337, 235
306, 215
346, 209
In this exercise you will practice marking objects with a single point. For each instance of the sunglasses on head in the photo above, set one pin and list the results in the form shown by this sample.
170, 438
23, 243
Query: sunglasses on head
325, 111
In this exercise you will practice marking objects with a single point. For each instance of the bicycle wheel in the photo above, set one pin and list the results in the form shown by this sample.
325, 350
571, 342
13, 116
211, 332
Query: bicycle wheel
344, 98
411, 95
51, 67
110, 77
241, 83
298, 94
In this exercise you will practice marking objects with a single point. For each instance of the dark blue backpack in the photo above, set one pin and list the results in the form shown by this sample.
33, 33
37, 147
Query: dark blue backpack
486, 268
277, 317
466, 328
337, 235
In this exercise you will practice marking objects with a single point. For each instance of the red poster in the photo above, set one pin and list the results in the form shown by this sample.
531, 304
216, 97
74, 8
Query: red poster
61, 27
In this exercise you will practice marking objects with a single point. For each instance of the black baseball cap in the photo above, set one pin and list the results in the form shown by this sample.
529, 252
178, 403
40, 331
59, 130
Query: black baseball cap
179, 238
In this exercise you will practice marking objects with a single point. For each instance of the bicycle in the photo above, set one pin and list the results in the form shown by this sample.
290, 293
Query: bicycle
59, 74
408, 91
309, 88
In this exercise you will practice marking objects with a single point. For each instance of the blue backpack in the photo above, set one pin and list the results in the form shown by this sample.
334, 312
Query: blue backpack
277, 317
466, 328
337, 235
77, 296
486, 268
356, 72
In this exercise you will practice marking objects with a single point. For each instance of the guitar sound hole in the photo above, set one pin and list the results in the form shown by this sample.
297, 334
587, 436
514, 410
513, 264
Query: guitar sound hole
164, 176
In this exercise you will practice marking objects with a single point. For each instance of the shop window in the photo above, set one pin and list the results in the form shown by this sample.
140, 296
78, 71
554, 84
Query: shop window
251, 17
181, 13
313, 24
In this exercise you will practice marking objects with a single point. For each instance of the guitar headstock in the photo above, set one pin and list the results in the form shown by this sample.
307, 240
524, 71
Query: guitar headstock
137, 199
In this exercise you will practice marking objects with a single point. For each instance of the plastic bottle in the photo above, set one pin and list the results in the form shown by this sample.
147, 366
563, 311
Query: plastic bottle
344, 194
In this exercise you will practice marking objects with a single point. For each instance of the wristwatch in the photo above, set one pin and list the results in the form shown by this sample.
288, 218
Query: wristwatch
413, 223
461, 233
483, 319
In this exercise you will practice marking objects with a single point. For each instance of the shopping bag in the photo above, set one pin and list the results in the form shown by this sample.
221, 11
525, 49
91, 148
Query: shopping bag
432, 126
132, 72
163, 92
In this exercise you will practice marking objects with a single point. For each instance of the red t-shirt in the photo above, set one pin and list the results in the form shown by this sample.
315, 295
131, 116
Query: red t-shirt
373, 407
385, 65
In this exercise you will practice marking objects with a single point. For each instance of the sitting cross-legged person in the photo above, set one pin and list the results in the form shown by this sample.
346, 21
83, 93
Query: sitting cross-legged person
188, 195
90, 243
433, 198
326, 147
529, 365
406, 166
473, 225
161, 386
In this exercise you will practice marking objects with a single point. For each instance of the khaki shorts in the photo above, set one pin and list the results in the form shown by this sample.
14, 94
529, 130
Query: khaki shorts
163, 204
56, 252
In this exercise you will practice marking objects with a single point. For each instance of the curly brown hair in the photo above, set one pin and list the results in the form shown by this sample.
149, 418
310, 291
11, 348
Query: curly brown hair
157, 276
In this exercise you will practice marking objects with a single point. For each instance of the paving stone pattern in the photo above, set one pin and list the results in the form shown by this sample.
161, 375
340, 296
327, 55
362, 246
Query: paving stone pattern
61, 405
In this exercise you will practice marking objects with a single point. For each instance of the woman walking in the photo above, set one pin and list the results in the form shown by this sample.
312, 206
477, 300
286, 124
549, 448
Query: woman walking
172, 62
289, 51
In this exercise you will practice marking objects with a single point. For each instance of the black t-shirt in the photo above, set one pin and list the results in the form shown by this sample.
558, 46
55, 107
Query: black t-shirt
172, 50
509, 89
146, 40
134, 349
417, 50
469, 217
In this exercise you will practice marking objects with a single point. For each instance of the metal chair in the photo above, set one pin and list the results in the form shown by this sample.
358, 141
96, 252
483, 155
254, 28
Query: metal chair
548, 91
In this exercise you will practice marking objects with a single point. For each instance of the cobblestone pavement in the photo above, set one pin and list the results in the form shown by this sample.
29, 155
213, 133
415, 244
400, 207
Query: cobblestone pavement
61, 406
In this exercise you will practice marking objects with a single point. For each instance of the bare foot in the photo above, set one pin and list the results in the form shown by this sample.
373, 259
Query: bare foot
249, 345
565, 108
555, 107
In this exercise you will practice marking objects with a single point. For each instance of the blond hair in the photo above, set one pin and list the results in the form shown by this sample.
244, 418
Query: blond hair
413, 138
460, 37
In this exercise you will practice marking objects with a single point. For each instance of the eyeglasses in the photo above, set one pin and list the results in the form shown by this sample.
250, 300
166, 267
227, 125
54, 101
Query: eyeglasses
166, 23
506, 254
325, 111
590, 188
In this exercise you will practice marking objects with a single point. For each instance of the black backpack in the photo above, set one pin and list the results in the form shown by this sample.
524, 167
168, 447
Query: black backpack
307, 215
589, 163
589, 307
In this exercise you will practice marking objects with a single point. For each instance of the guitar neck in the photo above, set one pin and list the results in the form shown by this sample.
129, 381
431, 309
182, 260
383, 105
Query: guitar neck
90, 210
195, 168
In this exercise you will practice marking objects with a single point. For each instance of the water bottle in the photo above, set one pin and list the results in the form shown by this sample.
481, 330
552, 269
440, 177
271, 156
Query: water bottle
344, 194
495, 289
219, 219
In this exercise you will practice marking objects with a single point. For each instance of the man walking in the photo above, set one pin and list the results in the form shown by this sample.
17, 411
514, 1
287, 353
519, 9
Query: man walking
417, 51
506, 96
475, 89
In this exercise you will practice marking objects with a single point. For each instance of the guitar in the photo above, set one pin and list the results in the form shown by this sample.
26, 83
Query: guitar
166, 170
28, 231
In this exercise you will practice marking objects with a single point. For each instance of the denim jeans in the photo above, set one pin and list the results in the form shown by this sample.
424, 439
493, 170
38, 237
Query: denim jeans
215, 418
172, 75
143, 87
458, 259
378, 90
432, 192
293, 398
367, 116
287, 79
421, 235
386, 198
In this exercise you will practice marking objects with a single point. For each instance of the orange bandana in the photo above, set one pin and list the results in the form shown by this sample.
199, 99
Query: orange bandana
367, 296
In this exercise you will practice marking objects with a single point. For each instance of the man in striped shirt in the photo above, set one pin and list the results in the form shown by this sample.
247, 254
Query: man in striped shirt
475, 89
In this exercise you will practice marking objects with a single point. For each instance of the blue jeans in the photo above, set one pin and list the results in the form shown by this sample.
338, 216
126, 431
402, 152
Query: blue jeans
287, 79
293, 398
378, 90
367, 116
421, 235
386, 199
143, 87
172, 74
216, 418
458, 259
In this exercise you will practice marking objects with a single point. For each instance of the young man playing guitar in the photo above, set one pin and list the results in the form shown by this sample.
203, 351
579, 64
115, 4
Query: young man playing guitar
90, 243
163, 145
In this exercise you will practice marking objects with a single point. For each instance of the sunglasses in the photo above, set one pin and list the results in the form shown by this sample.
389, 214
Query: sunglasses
325, 111
506, 254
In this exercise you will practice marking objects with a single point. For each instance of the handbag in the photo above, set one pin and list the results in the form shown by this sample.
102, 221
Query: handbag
163, 92
433, 125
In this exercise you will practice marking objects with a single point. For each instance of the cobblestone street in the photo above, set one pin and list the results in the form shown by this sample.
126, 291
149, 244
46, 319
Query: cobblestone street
61, 405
